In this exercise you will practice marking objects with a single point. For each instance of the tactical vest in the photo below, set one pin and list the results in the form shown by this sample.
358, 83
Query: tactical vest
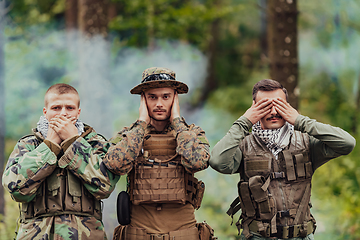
159, 177
61, 193
274, 194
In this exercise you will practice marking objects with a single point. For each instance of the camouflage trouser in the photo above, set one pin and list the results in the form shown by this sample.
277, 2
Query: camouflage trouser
62, 227
257, 237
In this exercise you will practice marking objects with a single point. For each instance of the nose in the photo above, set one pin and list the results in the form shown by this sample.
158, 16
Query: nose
63, 112
273, 111
159, 103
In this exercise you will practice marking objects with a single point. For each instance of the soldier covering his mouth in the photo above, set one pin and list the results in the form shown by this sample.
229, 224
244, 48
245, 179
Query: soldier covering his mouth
57, 173
160, 153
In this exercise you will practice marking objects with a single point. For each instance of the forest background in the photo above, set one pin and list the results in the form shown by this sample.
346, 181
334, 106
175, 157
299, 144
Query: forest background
220, 48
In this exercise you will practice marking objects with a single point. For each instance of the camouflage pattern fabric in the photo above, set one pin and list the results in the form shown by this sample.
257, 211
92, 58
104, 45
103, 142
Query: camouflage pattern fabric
180, 87
157, 70
192, 146
34, 159
62, 227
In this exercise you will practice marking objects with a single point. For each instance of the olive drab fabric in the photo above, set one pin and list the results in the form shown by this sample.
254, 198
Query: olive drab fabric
60, 187
274, 194
63, 193
159, 177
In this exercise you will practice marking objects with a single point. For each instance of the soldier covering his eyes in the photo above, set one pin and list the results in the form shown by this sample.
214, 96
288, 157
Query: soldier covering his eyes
276, 161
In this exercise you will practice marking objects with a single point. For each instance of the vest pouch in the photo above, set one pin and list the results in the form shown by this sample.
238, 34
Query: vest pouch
200, 189
264, 201
54, 201
257, 165
247, 206
87, 201
73, 195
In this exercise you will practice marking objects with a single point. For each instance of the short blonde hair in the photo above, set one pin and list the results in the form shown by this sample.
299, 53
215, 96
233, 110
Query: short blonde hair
61, 88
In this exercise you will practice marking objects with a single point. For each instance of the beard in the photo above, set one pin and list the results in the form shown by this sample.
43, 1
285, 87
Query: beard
167, 117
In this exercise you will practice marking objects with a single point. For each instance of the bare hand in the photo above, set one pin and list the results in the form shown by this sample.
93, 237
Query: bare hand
287, 112
175, 109
258, 110
143, 110
53, 136
64, 126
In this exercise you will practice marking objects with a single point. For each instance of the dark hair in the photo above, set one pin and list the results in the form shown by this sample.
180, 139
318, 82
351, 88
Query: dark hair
61, 88
268, 85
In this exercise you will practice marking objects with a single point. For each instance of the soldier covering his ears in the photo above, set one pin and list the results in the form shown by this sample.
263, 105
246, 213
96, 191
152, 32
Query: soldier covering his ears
58, 175
160, 153
276, 162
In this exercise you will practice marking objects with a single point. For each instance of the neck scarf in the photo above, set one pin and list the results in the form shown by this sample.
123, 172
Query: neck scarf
43, 126
275, 139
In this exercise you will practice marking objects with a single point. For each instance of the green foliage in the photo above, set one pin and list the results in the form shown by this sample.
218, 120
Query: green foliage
30, 12
140, 21
336, 186
9, 221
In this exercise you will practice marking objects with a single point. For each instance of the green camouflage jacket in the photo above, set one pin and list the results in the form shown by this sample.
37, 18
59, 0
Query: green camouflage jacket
34, 159
192, 146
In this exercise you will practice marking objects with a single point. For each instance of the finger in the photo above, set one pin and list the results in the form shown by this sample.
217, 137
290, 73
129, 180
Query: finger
263, 103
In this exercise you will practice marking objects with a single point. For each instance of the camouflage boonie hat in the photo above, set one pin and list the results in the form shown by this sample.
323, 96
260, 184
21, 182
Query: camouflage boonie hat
159, 77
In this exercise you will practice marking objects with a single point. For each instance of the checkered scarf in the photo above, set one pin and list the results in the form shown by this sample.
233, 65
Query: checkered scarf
43, 126
275, 139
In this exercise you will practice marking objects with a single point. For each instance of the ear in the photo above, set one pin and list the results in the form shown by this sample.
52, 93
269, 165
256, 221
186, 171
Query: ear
44, 111
79, 111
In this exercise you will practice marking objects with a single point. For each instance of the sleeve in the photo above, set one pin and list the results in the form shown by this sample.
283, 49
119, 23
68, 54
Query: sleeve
27, 167
192, 146
226, 155
326, 142
126, 147
83, 156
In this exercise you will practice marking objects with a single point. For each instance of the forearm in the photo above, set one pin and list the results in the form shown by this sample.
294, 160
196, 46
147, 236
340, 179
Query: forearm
226, 155
26, 170
84, 160
192, 146
128, 143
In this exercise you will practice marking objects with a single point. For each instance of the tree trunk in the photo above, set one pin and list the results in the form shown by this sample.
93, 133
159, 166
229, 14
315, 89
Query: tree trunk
94, 86
92, 18
282, 45
71, 15
2, 103
210, 81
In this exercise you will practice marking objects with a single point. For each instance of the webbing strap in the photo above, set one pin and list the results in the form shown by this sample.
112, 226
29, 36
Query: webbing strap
234, 207
159, 197
185, 234
156, 186
290, 170
162, 174
133, 233
304, 202
283, 232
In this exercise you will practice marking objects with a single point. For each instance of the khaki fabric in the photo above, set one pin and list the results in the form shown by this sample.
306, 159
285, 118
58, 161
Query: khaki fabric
171, 217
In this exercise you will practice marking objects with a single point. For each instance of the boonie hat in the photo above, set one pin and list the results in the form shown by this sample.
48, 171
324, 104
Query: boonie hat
159, 77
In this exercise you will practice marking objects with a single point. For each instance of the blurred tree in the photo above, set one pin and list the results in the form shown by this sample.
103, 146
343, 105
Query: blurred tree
282, 45
94, 62
92, 17
71, 15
